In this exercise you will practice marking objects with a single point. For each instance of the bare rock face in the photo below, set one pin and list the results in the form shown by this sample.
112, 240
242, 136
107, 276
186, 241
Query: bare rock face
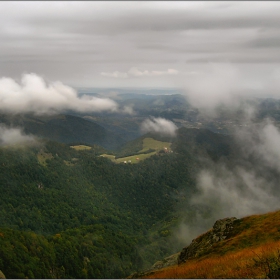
220, 231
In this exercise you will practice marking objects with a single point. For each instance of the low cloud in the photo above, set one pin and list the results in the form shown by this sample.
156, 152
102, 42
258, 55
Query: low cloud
228, 85
234, 193
128, 110
135, 72
209, 89
240, 186
15, 136
34, 95
159, 125
261, 140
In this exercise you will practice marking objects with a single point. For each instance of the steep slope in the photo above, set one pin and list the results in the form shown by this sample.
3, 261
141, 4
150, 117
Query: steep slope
234, 248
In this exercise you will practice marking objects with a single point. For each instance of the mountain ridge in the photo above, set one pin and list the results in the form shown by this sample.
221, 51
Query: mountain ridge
257, 234
64, 128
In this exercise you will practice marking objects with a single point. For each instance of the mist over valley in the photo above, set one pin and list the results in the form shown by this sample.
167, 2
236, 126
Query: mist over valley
139, 139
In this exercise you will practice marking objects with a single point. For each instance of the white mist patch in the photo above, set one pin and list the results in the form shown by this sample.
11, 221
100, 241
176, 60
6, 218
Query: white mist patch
14, 136
248, 188
159, 125
239, 187
34, 95
262, 140
226, 193
209, 89
234, 193
128, 110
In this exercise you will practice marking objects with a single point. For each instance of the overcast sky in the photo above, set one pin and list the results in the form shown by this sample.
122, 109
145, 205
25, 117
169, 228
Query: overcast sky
139, 44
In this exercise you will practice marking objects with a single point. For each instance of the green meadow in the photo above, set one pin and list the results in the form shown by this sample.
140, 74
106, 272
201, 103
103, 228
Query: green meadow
81, 147
148, 144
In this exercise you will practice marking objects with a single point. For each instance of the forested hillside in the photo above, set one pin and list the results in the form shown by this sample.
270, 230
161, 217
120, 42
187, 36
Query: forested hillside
64, 129
111, 219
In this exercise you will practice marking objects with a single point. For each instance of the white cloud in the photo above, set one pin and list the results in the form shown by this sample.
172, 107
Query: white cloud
159, 125
135, 72
34, 95
115, 74
14, 136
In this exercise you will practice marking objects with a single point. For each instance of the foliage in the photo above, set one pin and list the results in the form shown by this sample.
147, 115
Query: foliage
270, 264
67, 196
85, 252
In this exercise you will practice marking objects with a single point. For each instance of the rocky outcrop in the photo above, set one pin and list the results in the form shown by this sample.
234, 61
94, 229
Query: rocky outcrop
220, 231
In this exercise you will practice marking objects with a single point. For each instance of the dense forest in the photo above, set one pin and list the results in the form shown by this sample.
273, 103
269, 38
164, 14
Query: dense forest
69, 213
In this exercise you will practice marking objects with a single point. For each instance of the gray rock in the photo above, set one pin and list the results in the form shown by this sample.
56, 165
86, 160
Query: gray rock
220, 231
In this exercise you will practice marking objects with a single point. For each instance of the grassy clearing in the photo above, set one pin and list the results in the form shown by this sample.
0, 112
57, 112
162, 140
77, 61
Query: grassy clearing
135, 158
148, 144
81, 147
130, 159
42, 157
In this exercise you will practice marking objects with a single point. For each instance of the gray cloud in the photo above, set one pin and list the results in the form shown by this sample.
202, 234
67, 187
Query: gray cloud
266, 42
234, 193
214, 87
253, 190
159, 125
261, 140
111, 37
245, 186
229, 85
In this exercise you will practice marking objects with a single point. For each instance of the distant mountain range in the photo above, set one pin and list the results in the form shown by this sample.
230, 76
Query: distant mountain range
65, 129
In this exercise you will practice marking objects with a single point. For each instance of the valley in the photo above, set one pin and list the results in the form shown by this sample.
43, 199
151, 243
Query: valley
139, 140
80, 201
